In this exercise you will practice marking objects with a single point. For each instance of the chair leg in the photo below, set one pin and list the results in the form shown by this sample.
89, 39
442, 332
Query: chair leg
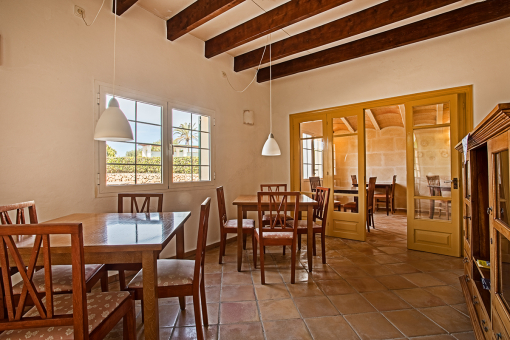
182, 302
264, 249
314, 246
198, 318
129, 324
293, 263
373, 221
224, 243
283, 250
254, 251
299, 241
143, 314
244, 241
203, 301
262, 273
122, 280
222, 249
104, 282
323, 246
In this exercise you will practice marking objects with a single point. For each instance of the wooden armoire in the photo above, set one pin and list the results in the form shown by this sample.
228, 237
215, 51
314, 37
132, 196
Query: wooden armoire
486, 208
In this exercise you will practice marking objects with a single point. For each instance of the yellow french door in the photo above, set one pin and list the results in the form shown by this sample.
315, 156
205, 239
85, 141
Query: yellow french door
433, 167
345, 164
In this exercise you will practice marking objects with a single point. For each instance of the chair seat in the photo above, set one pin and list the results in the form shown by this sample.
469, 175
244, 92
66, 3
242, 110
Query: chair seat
273, 216
61, 277
302, 224
350, 205
247, 224
170, 273
99, 307
275, 234
380, 196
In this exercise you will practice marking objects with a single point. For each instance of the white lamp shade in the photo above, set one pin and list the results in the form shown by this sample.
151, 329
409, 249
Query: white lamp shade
113, 125
271, 147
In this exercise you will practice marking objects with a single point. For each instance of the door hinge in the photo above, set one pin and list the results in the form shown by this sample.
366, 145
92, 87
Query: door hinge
214, 121
98, 98
97, 180
214, 175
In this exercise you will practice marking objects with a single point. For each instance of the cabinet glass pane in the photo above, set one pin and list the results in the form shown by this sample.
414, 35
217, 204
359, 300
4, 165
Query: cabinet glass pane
467, 180
502, 183
504, 269
467, 223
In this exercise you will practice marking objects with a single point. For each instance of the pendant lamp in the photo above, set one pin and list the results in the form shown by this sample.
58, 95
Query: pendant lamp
271, 147
113, 124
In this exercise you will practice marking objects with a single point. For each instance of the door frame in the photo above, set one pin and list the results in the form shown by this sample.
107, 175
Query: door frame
465, 104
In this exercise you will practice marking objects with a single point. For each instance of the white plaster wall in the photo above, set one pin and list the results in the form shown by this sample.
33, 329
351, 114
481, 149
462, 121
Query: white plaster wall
49, 61
479, 56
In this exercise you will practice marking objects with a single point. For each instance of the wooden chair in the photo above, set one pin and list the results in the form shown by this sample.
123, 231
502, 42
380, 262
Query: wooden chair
381, 197
277, 232
352, 206
122, 267
370, 202
230, 226
183, 278
434, 183
314, 183
319, 212
62, 277
354, 180
79, 315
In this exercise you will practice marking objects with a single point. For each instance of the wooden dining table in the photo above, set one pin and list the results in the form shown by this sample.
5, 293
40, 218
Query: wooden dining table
247, 203
111, 238
354, 190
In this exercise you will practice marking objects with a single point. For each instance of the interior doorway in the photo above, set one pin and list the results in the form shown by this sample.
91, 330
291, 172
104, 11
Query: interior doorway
407, 145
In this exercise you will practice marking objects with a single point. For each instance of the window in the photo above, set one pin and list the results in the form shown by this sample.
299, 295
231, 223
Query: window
172, 146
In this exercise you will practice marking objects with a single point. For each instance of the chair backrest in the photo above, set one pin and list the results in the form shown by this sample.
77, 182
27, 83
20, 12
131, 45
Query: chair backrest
273, 187
46, 318
134, 202
393, 184
315, 182
370, 192
221, 206
279, 204
203, 226
354, 180
321, 211
436, 182
20, 213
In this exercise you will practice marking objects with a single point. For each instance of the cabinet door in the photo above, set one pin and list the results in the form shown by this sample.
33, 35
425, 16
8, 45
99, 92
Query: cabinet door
467, 212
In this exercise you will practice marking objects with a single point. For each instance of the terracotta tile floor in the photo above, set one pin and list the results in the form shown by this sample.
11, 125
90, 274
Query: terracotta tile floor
368, 290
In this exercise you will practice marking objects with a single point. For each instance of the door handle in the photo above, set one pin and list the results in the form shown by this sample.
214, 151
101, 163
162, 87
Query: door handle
455, 182
489, 210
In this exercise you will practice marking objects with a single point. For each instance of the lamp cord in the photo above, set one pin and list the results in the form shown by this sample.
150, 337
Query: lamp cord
270, 91
114, 44
93, 21
255, 76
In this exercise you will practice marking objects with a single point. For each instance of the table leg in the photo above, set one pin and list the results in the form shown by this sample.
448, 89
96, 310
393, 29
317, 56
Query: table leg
387, 200
240, 237
150, 295
309, 238
179, 245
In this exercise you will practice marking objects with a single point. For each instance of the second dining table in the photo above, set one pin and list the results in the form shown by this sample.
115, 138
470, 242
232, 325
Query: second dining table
112, 238
247, 203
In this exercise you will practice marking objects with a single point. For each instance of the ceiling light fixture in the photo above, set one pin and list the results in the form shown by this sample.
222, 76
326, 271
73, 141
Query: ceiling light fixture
271, 147
113, 124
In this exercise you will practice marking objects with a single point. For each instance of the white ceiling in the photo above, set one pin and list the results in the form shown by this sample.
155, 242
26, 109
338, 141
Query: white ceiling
249, 9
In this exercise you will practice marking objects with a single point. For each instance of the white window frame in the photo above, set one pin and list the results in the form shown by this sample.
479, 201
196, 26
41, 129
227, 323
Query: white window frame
102, 190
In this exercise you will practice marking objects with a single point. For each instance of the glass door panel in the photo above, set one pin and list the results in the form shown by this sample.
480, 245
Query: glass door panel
311, 152
433, 197
501, 186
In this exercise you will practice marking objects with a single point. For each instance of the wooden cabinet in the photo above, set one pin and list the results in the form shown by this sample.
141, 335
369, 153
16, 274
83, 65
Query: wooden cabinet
486, 227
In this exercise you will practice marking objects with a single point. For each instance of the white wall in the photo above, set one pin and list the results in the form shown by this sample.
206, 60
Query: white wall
49, 61
479, 56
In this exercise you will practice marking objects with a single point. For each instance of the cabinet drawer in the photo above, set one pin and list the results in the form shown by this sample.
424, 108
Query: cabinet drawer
483, 317
499, 331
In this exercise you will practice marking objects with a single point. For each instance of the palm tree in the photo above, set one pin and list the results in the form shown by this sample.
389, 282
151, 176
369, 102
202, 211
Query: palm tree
184, 133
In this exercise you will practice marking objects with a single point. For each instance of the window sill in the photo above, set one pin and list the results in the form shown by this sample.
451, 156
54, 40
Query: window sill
173, 188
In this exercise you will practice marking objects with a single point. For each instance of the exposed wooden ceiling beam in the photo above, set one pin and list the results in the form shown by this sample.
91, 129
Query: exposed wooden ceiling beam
123, 6
277, 18
348, 125
372, 119
195, 15
386, 13
446, 23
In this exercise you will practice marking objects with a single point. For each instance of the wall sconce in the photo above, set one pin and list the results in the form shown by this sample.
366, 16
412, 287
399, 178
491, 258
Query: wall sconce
248, 117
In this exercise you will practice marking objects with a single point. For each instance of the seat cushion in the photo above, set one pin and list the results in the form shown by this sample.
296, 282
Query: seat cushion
350, 205
61, 276
276, 234
99, 307
302, 224
380, 196
170, 273
247, 223
267, 217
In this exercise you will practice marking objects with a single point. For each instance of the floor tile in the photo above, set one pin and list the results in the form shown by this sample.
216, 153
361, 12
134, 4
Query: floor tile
235, 312
304, 289
236, 293
376, 270
395, 282
351, 304
271, 276
335, 287
245, 331
243, 278
435, 337
448, 294
423, 280
328, 274
446, 276
365, 284
413, 323
315, 306
385, 301
168, 315
346, 271
373, 326
182, 333
187, 316
448, 318
330, 328
271, 291
286, 329
465, 336
462, 307
278, 309
386, 259
419, 298
402, 268
392, 250
212, 279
